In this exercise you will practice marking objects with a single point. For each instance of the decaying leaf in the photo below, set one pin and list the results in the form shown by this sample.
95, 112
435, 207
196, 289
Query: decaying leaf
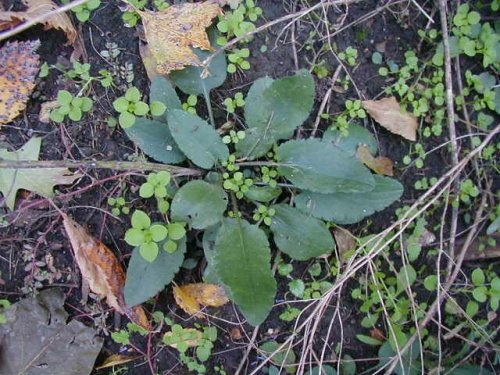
19, 65
172, 32
36, 8
148, 61
480, 249
117, 359
380, 164
194, 340
190, 297
36, 339
345, 242
388, 113
40, 181
101, 270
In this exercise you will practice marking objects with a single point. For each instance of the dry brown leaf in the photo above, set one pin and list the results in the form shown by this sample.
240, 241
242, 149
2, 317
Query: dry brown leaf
117, 359
148, 61
377, 334
35, 9
345, 242
475, 251
18, 70
45, 109
190, 297
236, 333
101, 270
172, 32
380, 164
388, 113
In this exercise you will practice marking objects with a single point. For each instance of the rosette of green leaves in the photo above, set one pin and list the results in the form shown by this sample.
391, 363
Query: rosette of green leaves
130, 105
71, 106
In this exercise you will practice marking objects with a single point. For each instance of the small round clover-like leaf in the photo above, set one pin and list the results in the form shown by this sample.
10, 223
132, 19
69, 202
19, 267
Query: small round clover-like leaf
160, 192
141, 109
133, 94
140, 220
121, 105
87, 104
478, 277
126, 119
176, 231
134, 237
170, 246
163, 177
77, 102
157, 108
479, 294
149, 251
147, 190
64, 97
159, 232
75, 114
56, 116
64, 109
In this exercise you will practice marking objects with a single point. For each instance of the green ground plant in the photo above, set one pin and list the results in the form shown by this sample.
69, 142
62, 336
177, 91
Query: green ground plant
84, 11
72, 106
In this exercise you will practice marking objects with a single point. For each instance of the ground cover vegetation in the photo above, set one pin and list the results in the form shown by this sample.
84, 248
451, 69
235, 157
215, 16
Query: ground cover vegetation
242, 186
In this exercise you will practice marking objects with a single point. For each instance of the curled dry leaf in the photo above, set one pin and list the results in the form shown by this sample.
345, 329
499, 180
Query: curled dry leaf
380, 164
172, 32
190, 297
117, 359
35, 9
19, 65
388, 113
101, 270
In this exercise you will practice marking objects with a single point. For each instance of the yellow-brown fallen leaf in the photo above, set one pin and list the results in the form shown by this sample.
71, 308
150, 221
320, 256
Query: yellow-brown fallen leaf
35, 9
190, 297
172, 32
192, 340
388, 113
19, 65
380, 164
345, 242
117, 359
101, 270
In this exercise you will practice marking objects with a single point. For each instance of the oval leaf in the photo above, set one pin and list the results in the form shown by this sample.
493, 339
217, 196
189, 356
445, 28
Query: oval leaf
199, 203
162, 91
349, 143
349, 208
300, 236
319, 167
243, 264
198, 140
145, 279
154, 139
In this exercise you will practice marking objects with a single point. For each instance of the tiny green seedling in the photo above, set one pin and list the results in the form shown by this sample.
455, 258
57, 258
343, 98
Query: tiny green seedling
237, 102
119, 206
190, 104
71, 106
238, 59
130, 105
131, 17
84, 11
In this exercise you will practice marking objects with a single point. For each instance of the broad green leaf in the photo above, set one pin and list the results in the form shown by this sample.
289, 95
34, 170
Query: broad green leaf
281, 105
154, 139
298, 235
243, 264
284, 357
319, 167
471, 370
199, 203
145, 279
478, 277
349, 208
162, 91
190, 80
208, 241
199, 141
257, 143
410, 365
324, 370
357, 136
40, 181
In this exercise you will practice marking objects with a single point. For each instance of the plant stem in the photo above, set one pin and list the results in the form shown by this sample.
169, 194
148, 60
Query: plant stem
99, 164
206, 95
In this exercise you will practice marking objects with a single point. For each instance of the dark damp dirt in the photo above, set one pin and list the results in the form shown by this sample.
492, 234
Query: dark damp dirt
34, 250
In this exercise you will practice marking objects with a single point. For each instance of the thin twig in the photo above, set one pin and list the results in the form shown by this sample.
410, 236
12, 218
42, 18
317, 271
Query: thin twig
99, 164
40, 18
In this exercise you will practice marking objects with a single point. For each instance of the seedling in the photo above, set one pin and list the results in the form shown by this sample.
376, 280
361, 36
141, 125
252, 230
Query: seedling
119, 206
190, 104
237, 60
350, 55
156, 185
130, 105
237, 102
4, 305
238, 22
84, 11
131, 17
71, 106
